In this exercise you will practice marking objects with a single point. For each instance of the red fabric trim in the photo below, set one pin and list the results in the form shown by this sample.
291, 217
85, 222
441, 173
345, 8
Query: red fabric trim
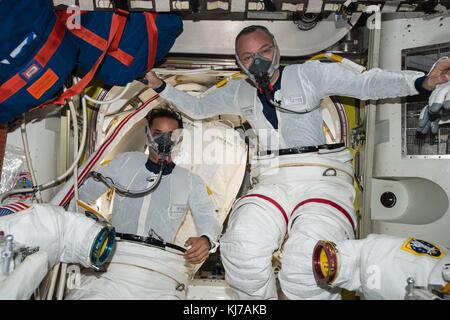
98, 42
276, 204
23, 205
152, 33
51, 45
11, 86
14, 207
90, 37
122, 57
330, 203
121, 28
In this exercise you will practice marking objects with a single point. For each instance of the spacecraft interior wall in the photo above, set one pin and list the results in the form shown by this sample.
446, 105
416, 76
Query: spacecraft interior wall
389, 161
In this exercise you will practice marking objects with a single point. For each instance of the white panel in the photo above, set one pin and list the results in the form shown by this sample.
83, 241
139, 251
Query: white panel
64, 2
180, 5
102, 4
256, 5
162, 5
238, 5
142, 4
390, 6
331, 7
217, 5
292, 7
217, 37
314, 6
412, 203
396, 35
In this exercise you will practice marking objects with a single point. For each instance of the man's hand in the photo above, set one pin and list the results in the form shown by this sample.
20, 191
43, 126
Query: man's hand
439, 73
153, 81
199, 250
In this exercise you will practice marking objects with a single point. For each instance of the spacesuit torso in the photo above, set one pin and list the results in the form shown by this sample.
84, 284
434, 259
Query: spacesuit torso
162, 210
294, 129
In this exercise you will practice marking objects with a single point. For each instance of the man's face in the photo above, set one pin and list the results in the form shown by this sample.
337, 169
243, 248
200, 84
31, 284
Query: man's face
163, 124
253, 43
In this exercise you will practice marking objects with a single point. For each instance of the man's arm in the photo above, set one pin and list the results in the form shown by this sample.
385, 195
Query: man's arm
219, 101
331, 79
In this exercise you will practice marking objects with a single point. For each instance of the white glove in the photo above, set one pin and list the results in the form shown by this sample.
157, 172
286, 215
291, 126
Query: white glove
438, 107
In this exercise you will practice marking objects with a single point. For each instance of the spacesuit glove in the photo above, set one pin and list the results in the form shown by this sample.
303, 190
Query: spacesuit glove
438, 108
440, 99
424, 124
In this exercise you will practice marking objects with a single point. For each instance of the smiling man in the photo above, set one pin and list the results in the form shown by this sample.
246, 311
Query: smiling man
311, 195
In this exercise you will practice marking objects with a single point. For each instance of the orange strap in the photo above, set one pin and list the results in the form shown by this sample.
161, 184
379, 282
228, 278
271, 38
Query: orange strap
152, 32
116, 22
118, 37
96, 41
15, 83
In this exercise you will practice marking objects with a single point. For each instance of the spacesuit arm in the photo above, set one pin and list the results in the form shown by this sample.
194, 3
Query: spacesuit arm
91, 190
329, 79
203, 210
219, 101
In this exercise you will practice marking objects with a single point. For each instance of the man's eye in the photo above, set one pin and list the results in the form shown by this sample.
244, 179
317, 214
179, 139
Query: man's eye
265, 51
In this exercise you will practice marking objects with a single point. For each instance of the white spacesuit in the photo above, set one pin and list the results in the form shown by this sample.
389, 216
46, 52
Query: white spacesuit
57, 235
379, 266
308, 195
137, 271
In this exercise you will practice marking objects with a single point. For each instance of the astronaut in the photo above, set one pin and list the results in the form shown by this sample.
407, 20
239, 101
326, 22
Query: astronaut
379, 266
303, 188
152, 198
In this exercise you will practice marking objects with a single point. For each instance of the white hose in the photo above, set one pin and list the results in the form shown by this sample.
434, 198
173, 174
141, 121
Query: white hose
73, 115
26, 147
51, 290
115, 99
79, 153
62, 282
163, 71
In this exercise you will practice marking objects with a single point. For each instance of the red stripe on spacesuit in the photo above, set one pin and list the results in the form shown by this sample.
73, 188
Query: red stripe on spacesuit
22, 205
13, 207
101, 150
330, 203
276, 204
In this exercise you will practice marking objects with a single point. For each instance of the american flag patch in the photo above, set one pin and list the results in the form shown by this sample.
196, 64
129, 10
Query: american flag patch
13, 208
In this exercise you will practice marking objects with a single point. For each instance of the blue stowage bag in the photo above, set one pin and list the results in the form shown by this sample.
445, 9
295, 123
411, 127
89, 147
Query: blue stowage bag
37, 54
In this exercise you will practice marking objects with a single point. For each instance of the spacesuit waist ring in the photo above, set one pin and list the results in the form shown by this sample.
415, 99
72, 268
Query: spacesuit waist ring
299, 150
150, 241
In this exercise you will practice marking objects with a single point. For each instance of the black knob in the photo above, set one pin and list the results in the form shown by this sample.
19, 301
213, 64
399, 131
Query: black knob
388, 199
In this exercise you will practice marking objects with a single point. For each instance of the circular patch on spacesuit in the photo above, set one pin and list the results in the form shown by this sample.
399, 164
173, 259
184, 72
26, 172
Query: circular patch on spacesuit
422, 248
